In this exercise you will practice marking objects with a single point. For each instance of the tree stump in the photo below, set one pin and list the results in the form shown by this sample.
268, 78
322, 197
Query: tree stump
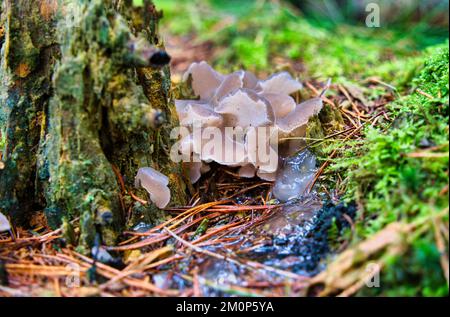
81, 109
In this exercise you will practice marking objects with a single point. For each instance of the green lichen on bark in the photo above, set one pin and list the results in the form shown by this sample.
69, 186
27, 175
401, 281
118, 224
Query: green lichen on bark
28, 54
156, 83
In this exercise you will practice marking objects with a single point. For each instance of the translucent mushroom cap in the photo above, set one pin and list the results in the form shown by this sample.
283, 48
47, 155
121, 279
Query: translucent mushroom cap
205, 79
247, 171
4, 223
300, 116
229, 84
155, 183
201, 114
196, 169
222, 146
241, 101
280, 83
281, 104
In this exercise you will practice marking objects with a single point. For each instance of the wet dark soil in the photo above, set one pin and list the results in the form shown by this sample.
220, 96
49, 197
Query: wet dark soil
302, 234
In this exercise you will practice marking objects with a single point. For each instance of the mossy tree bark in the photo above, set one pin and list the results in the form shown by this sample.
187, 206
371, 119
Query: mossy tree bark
79, 103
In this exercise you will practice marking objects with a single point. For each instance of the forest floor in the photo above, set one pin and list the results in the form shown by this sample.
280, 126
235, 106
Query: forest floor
391, 86
383, 174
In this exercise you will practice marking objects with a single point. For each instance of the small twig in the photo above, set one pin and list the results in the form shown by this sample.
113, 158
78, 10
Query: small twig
319, 94
324, 90
325, 164
142, 201
377, 81
423, 93
55, 232
427, 155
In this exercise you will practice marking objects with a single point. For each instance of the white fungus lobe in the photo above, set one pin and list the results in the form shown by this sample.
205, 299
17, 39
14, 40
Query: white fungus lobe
280, 83
244, 108
4, 223
205, 80
155, 184
247, 171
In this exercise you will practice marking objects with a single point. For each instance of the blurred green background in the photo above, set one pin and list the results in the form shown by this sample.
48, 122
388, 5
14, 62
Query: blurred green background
329, 37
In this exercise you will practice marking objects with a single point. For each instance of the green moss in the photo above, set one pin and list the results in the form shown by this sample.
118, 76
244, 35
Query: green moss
88, 232
392, 184
68, 232
331, 119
